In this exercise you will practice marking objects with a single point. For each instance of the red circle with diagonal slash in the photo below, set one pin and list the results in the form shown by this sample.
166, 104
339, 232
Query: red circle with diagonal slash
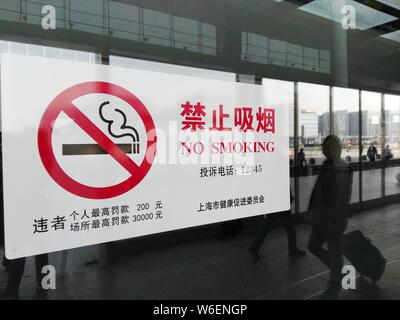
63, 103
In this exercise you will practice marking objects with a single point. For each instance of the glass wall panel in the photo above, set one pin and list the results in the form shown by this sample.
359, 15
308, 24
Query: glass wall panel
281, 95
157, 27
265, 50
311, 59
391, 153
186, 34
10, 10
277, 53
73, 260
124, 21
34, 11
313, 127
346, 121
346, 127
171, 68
87, 16
314, 120
208, 39
295, 56
371, 145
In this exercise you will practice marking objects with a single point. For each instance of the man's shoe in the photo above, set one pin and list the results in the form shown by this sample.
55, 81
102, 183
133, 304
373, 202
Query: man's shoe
254, 254
297, 253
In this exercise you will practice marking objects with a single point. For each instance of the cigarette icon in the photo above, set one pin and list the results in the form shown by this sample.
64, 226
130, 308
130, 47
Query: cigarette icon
93, 149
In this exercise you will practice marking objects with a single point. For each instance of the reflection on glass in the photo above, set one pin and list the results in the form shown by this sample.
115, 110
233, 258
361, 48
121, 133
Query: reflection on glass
313, 126
34, 11
120, 20
208, 39
346, 127
392, 121
371, 124
371, 144
157, 27
9, 10
261, 49
87, 16
171, 68
314, 120
186, 34
392, 144
124, 20
346, 121
295, 56
281, 95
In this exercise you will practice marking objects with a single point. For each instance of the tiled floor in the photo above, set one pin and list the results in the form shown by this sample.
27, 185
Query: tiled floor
210, 269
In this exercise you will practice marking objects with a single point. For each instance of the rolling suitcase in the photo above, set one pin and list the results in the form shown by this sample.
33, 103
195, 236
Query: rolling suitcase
363, 255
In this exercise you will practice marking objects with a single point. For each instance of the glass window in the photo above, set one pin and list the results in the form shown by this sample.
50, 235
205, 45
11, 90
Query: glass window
346, 121
281, 95
124, 21
261, 49
208, 39
311, 59
325, 61
295, 56
34, 11
371, 145
314, 119
277, 53
157, 27
171, 68
346, 127
313, 127
254, 47
76, 257
258, 47
87, 15
9, 10
392, 123
186, 34
392, 144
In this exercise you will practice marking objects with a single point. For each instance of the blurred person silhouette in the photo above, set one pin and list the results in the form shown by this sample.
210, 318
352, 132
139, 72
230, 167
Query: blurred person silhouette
287, 220
387, 153
329, 209
301, 158
372, 152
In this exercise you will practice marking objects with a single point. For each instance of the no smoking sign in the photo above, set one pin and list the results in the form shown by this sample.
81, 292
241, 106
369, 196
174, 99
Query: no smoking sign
104, 144
78, 141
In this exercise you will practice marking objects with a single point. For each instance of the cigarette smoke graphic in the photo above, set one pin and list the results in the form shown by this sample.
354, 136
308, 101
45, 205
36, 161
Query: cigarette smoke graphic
114, 126
119, 125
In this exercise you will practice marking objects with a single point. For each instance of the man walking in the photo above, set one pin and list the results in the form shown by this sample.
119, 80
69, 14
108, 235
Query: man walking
328, 205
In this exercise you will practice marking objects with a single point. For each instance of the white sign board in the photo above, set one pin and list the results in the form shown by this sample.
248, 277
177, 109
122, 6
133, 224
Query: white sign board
94, 154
